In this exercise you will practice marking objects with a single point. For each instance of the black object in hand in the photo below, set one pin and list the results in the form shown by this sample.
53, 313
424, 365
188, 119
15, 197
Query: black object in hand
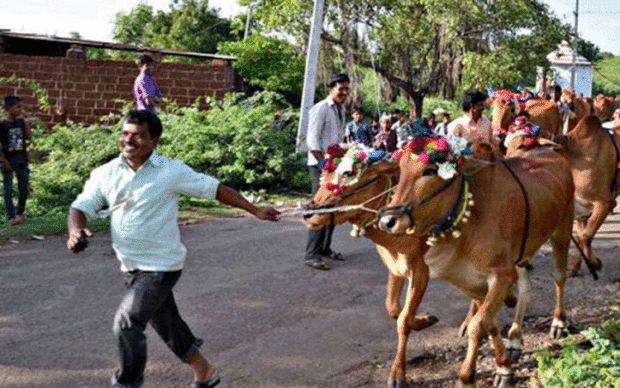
81, 244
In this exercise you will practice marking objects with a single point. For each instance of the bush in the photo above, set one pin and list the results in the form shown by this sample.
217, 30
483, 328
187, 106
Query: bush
247, 144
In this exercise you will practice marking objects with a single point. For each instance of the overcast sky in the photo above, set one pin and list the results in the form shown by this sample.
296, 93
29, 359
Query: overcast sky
599, 20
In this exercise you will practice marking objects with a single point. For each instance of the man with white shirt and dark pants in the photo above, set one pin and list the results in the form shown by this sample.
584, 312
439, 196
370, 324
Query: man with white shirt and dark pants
141, 190
326, 126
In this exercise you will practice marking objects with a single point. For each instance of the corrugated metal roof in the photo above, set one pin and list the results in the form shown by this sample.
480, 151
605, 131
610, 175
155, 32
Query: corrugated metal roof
113, 46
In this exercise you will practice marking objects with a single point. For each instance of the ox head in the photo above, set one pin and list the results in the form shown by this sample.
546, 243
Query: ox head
604, 107
506, 106
429, 167
351, 175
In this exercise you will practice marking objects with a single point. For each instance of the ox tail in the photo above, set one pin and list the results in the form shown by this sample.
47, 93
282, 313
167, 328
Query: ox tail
591, 267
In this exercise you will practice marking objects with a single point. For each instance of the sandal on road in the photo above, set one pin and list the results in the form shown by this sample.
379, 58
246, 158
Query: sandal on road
317, 263
212, 383
335, 256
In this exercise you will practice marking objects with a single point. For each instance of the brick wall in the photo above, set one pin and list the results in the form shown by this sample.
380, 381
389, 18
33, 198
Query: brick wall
83, 90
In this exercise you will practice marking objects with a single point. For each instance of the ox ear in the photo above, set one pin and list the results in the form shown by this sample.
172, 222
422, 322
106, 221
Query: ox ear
471, 166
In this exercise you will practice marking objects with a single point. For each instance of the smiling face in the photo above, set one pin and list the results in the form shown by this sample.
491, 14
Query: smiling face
137, 144
339, 92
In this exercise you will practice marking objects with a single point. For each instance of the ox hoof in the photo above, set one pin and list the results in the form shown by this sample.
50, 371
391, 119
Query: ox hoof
424, 321
556, 332
514, 354
503, 381
397, 383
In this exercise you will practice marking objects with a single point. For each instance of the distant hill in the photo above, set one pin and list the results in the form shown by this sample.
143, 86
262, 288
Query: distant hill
606, 78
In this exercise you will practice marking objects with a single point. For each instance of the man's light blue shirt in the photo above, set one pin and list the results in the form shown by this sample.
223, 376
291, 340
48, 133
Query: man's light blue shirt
144, 208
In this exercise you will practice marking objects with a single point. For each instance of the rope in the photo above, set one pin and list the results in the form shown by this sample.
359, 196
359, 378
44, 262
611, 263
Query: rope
360, 206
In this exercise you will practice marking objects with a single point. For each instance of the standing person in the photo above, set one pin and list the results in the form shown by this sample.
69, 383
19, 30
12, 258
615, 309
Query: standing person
367, 134
401, 127
387, 138
354, 127
473, 126
145, 89
325, 127
442, 127
14, 133
141, 188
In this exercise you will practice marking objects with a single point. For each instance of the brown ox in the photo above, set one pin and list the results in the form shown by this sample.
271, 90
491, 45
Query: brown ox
592, 154
492, 252
578, 108
604, 107
402, 255
543, 113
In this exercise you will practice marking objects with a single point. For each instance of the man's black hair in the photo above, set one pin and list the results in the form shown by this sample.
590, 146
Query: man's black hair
11, 101
336, 78
145, 59
557, 89
144, 116
358, 109
473, 97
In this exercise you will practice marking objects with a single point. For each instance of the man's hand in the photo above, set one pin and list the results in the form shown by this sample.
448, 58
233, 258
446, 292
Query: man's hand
78, 239
268, 213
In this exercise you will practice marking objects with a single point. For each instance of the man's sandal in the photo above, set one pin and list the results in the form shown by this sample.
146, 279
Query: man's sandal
212, 383
335, 256
317, 264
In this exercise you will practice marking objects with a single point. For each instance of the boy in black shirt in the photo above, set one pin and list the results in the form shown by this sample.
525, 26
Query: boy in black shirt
14, 159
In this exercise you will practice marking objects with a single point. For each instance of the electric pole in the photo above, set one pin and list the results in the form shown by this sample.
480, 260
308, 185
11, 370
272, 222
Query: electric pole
575, 35
312, 60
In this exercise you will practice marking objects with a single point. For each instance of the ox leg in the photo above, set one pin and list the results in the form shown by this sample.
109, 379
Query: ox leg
408, 321
585, 234
485, 321
515, 334
560, 246
395, 285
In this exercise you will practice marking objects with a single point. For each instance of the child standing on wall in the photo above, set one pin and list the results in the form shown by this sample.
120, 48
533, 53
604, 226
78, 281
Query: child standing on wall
14, 159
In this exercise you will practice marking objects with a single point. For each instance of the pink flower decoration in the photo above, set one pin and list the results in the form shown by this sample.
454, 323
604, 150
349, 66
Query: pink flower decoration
361, 155
397, 155
330, 165
528, 142
449, 158
522, 105
442, 144
423, 158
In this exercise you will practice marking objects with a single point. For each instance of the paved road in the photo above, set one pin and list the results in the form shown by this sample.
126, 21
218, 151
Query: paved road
268, 321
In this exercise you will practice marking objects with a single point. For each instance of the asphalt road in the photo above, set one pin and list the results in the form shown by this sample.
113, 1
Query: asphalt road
267, 320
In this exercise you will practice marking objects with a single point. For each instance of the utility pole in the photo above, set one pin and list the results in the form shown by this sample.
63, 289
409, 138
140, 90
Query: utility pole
575, 35
312, 59
247, 21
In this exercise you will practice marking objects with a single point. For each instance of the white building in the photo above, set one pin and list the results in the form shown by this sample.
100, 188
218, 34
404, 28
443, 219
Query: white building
562, 63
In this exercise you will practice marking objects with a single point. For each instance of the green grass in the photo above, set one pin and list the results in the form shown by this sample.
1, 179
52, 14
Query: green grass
606, 77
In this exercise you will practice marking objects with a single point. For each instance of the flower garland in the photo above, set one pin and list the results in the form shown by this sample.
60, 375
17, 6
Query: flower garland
508, 97
344, 162
446, 152
520, 127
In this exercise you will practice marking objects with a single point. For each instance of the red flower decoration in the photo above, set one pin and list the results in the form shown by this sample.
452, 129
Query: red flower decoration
490, 101
522, 105
397, 155
336, 188
528, 142
361, 155
417, 144
330, 165
459, 161
423, 158
335, 151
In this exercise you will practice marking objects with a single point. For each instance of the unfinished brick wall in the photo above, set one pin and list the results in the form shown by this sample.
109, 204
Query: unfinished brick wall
84, 90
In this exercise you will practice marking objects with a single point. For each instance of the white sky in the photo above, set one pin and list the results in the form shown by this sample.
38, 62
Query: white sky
599, 20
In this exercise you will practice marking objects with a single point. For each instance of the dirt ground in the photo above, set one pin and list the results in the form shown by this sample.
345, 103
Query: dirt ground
268, 321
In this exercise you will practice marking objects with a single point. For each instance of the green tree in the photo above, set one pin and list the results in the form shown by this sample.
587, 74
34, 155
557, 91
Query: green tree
188, 25
269, 64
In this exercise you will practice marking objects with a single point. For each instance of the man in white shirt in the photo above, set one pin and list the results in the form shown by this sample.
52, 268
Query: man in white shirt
141, 189
325, 127
473, 126
615, 122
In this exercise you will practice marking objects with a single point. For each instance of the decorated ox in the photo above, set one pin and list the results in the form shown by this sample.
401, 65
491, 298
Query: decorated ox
604, 107
360, 184
577, 109
507, 105
484, 247
593, 155
364, 177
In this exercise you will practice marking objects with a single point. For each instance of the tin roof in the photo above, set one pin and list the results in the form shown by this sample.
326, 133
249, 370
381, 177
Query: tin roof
564, 56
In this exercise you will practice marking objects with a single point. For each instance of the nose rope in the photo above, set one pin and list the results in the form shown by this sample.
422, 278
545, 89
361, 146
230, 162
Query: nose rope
347, 208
